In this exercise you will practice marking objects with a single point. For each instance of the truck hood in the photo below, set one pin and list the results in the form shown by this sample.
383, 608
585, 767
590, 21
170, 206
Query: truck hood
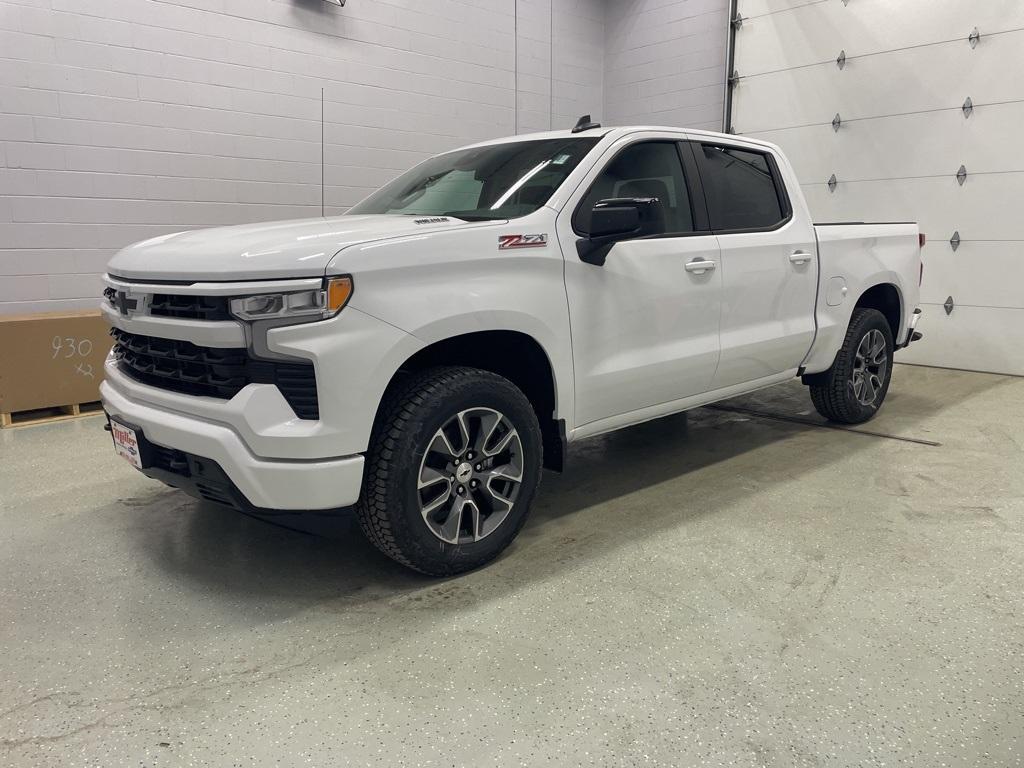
274, 249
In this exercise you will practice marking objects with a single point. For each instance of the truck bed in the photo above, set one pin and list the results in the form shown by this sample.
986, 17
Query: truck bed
853, 257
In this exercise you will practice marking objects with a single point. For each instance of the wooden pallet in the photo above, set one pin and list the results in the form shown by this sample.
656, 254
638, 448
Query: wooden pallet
49, 415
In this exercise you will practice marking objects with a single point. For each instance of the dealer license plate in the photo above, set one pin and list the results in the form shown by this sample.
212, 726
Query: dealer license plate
126, 443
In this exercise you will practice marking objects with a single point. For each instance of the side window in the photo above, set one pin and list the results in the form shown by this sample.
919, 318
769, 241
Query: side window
739, 187
647, 169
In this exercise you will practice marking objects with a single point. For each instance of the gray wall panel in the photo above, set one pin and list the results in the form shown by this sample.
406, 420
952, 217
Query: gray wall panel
665, 62
903, 137
126, 119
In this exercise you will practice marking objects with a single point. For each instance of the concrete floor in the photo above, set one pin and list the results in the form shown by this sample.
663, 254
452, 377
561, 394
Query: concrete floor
720, 589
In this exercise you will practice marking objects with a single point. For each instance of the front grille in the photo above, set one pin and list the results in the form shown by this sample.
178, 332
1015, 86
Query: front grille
181, 366
178, 305
189, 307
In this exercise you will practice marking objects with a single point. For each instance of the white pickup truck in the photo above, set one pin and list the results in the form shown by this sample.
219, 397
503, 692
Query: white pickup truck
423, 356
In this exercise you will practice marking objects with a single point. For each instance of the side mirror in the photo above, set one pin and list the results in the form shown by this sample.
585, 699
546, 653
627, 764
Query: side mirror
620, 218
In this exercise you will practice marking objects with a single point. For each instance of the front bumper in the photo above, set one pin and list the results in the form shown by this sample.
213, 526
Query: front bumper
264, 484
271, 457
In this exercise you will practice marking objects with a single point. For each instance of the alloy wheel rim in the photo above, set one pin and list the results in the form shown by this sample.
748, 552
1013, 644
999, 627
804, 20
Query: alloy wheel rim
870, 366
470, 475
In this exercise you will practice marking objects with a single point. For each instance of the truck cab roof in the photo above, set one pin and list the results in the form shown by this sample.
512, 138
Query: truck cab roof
613, 133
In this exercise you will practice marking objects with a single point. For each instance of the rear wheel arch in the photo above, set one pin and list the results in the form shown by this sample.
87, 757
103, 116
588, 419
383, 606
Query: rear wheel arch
887, 299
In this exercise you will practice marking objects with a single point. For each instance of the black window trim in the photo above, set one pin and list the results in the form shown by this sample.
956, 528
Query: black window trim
695, 185
694, 190
780, 188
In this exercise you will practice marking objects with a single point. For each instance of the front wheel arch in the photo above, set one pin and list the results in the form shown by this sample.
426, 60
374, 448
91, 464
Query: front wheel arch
513, 355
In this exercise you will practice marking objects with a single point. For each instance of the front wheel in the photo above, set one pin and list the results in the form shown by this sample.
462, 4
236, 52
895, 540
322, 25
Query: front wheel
853, 389
453, 465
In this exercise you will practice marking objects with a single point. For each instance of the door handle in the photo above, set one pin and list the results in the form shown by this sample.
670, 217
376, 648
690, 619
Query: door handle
800, 257
700, 266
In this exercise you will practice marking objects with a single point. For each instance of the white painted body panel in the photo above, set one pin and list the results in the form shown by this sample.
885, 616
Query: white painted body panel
270, 484
630, 341
863, 255
768, 303
768, 321
644, 331
440, 284
275, 249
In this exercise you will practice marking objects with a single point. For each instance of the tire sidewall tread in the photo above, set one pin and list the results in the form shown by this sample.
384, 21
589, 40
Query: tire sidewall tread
388, 507
832, 396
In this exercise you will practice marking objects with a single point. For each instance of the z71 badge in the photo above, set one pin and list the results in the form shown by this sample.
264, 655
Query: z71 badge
521, 241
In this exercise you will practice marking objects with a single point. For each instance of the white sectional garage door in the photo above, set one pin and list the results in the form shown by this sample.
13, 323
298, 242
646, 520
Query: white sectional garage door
898, 74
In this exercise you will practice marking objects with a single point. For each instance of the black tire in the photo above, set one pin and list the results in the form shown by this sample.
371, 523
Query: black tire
389, 507
833, 392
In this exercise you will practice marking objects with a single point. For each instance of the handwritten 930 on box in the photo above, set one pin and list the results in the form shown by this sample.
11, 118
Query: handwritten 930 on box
51, 359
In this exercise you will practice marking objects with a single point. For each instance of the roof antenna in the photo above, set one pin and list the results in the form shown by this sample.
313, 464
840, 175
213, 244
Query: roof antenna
584, 124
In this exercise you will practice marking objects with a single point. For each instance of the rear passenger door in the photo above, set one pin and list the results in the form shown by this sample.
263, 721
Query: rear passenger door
769, 263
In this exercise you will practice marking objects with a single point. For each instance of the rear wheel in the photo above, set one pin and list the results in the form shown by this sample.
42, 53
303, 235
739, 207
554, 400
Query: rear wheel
853, 389
453, 465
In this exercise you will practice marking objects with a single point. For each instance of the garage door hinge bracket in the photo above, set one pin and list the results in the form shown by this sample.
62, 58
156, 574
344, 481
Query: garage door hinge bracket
841, 59
968, 107
954, 241
836, 122
949, 305
734, 78
737, 22
974, 37
832, 183
961, 175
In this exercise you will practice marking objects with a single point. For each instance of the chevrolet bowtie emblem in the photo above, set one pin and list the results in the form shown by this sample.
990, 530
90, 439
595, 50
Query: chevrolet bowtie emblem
124, 303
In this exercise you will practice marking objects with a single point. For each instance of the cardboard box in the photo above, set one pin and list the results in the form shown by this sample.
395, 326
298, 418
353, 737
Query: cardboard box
51, 359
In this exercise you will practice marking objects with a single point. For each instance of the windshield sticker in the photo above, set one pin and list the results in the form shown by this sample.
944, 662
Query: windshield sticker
521, 241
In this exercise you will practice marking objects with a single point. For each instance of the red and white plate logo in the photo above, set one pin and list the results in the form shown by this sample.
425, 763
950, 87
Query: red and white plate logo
521, 241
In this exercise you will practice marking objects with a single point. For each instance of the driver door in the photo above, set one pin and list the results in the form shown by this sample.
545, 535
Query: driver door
645, 325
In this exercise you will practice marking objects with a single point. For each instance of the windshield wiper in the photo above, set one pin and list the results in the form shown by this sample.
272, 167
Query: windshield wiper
472, 216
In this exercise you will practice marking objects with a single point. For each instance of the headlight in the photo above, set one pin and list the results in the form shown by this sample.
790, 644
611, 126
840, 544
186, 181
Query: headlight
316, 304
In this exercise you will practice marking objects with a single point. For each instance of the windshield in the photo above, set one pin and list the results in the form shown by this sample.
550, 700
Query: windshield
501, 181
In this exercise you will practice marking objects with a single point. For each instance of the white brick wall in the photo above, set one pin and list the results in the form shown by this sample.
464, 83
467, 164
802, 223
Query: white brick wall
125, 119
559, 82
665, 62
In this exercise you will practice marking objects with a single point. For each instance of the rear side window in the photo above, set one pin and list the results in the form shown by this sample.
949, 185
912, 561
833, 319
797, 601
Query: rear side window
741, 189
